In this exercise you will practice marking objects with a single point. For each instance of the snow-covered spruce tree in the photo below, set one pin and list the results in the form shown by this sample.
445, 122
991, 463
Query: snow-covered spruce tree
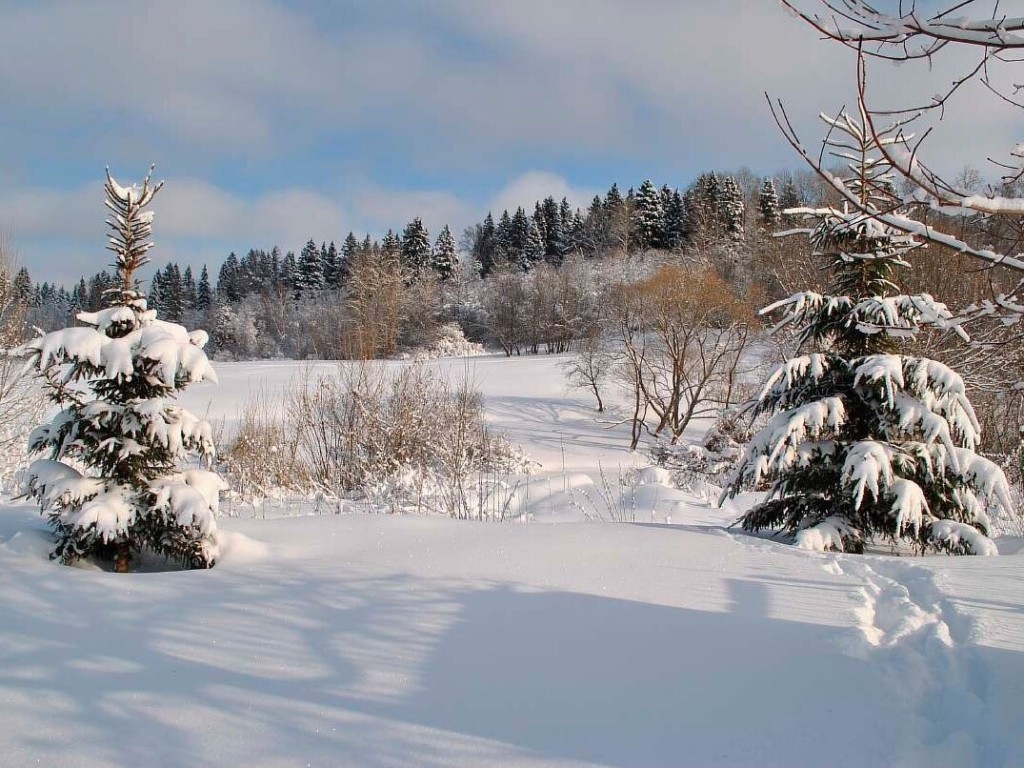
866, 442
731, 209
648, 217
415, 248
768, 203
110, 480
533, 246
445, 259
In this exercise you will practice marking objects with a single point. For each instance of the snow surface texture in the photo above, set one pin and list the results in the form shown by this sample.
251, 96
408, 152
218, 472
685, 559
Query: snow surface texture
372, 640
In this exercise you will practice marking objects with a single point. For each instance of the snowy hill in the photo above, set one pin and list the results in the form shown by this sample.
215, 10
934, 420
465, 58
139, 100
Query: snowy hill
372, 640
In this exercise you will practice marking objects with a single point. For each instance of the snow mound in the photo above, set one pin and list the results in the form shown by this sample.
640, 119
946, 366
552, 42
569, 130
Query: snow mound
238, 549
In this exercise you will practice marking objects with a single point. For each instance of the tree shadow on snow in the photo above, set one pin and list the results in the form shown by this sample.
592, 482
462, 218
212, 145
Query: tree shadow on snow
325, 665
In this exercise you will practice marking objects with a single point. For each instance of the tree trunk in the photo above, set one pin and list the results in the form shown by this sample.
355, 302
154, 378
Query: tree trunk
122, 556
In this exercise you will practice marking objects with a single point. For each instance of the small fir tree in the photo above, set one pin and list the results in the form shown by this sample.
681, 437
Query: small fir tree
189, 290
110, 481
485, 246
204, 295
731, 209
415, 248
228, 280
677, 225
648, 217
504, 245
310, 270
768, 203
533, 248
445, 259
22, 286
865, 441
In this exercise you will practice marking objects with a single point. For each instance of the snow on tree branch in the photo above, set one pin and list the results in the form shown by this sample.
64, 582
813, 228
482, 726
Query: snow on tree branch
912, 34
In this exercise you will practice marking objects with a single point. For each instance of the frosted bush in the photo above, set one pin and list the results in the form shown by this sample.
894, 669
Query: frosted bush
409, 440
449, 341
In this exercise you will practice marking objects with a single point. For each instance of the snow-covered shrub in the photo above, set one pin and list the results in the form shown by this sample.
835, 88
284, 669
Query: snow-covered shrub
261, 458
448, 341
612, 499
111, 480
864, 441
409, 439
711, 461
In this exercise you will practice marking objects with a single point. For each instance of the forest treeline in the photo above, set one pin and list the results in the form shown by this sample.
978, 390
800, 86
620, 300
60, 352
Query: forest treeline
269, 303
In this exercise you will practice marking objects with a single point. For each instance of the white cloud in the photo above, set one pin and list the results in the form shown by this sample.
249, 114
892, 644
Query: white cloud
451, 85
536, 185
481, 90
59, 233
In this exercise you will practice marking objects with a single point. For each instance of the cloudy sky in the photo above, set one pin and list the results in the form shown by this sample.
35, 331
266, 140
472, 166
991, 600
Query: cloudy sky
274, 121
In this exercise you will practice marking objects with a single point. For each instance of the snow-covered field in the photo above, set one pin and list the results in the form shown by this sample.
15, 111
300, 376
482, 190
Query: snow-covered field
373, 640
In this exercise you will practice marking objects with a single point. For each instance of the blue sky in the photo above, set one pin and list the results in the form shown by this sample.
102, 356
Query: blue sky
273, 121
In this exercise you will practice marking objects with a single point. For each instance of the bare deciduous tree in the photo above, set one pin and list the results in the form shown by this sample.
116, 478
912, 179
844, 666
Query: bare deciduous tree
679, 336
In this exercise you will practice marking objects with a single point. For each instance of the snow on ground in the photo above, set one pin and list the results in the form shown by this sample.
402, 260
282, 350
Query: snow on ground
373, 640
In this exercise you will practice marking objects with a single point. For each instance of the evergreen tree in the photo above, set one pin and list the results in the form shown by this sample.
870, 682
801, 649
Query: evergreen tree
519, 239
768, 204
188, 290
102, 288
703, 207
109, 482
79, 296
788, 198
155, 297
615, 220
415, 248
391, 245
504, 247
485, 246
865, 441
22, 286
731, 209
274, 269
648, 217
171, 302
677, 224
204, 295
577, 233
333, 271
349, 251
445, 259
228, 287
290, 274
613, 199
171, 292
566, 220
310, 270
596, 237
553, 231
533, 247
